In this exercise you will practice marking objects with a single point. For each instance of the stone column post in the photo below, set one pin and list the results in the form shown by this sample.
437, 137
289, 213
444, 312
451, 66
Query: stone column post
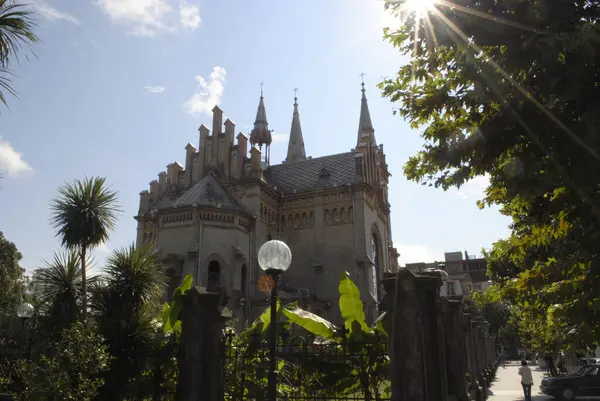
428, 286
407, 362
201, 356
456, 351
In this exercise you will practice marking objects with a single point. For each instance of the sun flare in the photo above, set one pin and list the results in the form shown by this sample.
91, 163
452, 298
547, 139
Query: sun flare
418, 6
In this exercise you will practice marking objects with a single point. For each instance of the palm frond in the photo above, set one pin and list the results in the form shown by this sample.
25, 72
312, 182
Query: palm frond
60, 290
16, 30
135, 275
84, 213
60, 277
5, 86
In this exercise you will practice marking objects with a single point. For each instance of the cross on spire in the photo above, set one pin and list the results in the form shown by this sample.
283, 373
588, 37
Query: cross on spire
295, 95
362, 77
262, 84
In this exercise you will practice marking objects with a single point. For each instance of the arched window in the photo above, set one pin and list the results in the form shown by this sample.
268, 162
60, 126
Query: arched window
244, 279
214, 276
374, 266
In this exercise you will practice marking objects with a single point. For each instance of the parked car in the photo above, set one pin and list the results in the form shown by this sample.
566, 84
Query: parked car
584, 383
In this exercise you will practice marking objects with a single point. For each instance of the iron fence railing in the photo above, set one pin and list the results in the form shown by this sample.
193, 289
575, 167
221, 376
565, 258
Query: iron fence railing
346, 370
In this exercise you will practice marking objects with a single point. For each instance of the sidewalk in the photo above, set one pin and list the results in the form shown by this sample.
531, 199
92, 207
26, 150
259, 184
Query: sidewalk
507, 386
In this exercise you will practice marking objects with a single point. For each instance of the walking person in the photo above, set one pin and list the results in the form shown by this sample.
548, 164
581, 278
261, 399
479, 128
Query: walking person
526, 379
561, 363
551, 366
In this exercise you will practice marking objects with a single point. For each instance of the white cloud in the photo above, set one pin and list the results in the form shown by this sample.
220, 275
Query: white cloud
189, 16
51, 13
474, 189
414, 253
150, 17
209, 92
154, 89
11, 161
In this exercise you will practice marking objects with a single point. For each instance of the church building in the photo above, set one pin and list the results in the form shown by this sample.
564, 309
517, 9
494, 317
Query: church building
209, 216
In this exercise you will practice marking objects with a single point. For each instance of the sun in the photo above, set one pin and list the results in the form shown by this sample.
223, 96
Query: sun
418, 6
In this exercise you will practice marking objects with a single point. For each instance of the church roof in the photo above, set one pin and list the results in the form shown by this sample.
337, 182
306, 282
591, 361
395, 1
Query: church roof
207, 192
320, 172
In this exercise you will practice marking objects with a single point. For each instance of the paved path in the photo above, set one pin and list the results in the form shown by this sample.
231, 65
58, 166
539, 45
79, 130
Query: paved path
507, 386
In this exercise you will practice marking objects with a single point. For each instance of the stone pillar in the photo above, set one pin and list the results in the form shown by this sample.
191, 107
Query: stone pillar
388, 301
201, 356
407, 373
428, 287
456, 351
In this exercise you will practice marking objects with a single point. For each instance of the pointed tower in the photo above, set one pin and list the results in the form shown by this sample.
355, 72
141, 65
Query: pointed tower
260, 134
366, 144
366, 133
296, 144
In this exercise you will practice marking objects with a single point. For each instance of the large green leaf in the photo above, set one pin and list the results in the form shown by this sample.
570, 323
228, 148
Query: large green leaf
170, 313
265, 318
186, 284
351, 306
311, 322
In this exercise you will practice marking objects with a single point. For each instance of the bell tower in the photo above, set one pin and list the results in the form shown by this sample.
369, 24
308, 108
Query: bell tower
261, 135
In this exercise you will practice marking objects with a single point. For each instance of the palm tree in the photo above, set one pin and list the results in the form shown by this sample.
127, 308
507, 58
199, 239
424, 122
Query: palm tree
83, 215
125, 305
16, 30
59, 285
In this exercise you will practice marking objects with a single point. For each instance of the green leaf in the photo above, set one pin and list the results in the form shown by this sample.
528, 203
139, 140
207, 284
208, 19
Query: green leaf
311, 322
186, 284
265, 318
165, 317
351, 306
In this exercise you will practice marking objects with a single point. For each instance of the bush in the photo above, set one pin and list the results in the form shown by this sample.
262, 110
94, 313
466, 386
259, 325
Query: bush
72, 370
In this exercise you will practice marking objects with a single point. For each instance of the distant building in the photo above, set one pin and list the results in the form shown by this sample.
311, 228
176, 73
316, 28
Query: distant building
35, 284
466, 273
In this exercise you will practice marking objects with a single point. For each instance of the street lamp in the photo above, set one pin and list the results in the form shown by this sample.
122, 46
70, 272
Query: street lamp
274, 257
26, 311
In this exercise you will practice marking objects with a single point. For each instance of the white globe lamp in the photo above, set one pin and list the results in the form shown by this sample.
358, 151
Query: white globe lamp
25, 310
274, 256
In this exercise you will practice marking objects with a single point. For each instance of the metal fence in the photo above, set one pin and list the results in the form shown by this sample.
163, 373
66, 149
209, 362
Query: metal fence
349, 370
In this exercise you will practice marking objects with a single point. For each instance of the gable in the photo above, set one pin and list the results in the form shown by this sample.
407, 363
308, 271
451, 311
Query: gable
207, 192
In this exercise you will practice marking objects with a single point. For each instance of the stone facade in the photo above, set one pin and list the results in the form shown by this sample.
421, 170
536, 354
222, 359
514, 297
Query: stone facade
210, 216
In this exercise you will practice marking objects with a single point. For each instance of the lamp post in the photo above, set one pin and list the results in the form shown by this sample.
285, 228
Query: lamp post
274, 257
26, 311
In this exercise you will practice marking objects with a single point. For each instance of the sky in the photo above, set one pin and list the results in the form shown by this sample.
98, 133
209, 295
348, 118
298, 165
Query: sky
119, 87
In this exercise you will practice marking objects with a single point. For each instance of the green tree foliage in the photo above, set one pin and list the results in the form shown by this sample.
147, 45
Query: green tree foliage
16, 31
510, 89
72, 372
11, 278
505, 319
83, 215
12, 294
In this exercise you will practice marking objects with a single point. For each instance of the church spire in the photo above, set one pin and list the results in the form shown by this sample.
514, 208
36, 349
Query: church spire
365, 126
296, 143
260, 134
